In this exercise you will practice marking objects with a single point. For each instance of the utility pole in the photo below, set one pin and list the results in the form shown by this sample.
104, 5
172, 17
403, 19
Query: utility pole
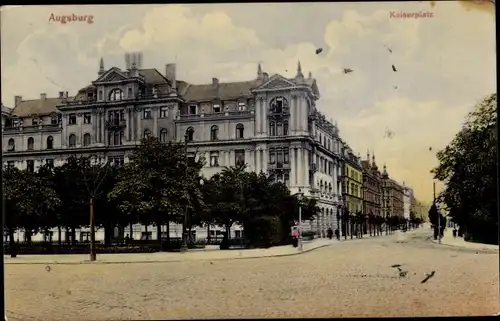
439, 214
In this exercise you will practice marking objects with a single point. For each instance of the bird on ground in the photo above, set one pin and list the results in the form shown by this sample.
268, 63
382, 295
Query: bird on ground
319, 50
428, 276
394, 68
347, 70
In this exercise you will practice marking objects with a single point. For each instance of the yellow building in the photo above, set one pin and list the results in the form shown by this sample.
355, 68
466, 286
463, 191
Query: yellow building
353, 183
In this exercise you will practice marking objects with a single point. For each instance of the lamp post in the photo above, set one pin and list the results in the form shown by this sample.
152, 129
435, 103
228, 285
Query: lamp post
184, 246
339, 210
439, 214
299, 198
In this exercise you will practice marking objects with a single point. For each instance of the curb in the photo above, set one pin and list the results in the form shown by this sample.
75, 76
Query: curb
171, 261
486, 251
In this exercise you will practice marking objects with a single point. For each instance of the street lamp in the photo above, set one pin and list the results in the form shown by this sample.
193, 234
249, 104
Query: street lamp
299, 196
339, 210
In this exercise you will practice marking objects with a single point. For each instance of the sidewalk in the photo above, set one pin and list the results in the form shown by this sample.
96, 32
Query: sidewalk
449, 240
210, 254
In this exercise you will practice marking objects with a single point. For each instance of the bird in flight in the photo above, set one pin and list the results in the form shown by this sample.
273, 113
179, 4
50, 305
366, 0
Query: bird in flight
390, 50
430, 148
428, 276
347, 70
395, 87
394, 68
388, 133
319, 50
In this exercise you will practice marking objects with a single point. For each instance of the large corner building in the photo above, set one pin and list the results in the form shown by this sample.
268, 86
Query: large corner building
270, 123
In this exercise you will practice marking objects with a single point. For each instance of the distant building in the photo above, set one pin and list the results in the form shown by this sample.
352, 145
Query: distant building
353, 182
270, 123
392, 196
372, 186
408, 198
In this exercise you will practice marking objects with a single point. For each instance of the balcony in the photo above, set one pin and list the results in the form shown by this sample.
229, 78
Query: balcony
279, 165
116, 124
85, 102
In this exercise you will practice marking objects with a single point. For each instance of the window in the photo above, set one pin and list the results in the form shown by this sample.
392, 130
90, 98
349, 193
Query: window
239, 157
117, 160
54, 120
237, 234
49, 162
216, 108
164, 135
279, 129
286, 156
50, 142
214, 133
84, 236
11, 145
129, 93
214, 159
100, 95
72, 140
35, 121
272, 128
72, 119
86, 140
189, 136
10, 164
279, 105
30, 165
146, 113
147, 133
285, 128
240, 131
164, 112
31, 143
241, 106
192, 109
116, 95
146, 236
87, 118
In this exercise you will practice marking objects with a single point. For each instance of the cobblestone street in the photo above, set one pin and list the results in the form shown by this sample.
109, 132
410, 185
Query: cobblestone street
344, 280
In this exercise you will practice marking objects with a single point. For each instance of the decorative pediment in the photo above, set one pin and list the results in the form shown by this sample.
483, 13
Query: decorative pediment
114, 74
276, 82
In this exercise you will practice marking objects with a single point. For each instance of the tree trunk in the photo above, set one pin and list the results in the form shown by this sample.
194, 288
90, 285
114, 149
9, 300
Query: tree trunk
59, 234
27, 235
131, 233
168, 230
208, 234
12, 243
73, 235
109, 232
158, 231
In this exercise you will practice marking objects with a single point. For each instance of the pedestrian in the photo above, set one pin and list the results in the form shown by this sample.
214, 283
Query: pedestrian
295, 236
337, 234
330, 233
127, 239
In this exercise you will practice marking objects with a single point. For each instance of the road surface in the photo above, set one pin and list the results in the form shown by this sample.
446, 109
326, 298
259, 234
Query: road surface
349, 279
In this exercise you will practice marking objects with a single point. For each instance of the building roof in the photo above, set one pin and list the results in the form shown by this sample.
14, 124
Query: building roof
6, 110
223, 91
37, 106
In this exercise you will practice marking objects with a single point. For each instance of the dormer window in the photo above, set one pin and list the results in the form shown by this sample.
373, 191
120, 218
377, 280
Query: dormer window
35, 121
241, 106
116, 95
54, 120
216, 108
279, 105
192, 109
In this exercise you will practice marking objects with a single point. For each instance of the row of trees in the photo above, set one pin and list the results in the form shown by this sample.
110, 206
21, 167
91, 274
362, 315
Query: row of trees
157, 186
468, 166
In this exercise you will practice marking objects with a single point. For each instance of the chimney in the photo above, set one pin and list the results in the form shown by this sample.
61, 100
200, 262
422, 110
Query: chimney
43, 96
170, 74
61, 94
67, 95
215, 83
17, 100
265, 76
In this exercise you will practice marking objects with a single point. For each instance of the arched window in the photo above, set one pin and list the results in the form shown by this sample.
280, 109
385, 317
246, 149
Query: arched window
189, 134
116, 94
147, 133
285, 128
72, 140
272, 129
214, 133
86, 140
240, 131
31, 143
330, 188
279, 105
163, 135
321, 186
50, 142
100, 95
12, 145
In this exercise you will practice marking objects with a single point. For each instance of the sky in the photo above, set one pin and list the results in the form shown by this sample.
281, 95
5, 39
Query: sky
445, 61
